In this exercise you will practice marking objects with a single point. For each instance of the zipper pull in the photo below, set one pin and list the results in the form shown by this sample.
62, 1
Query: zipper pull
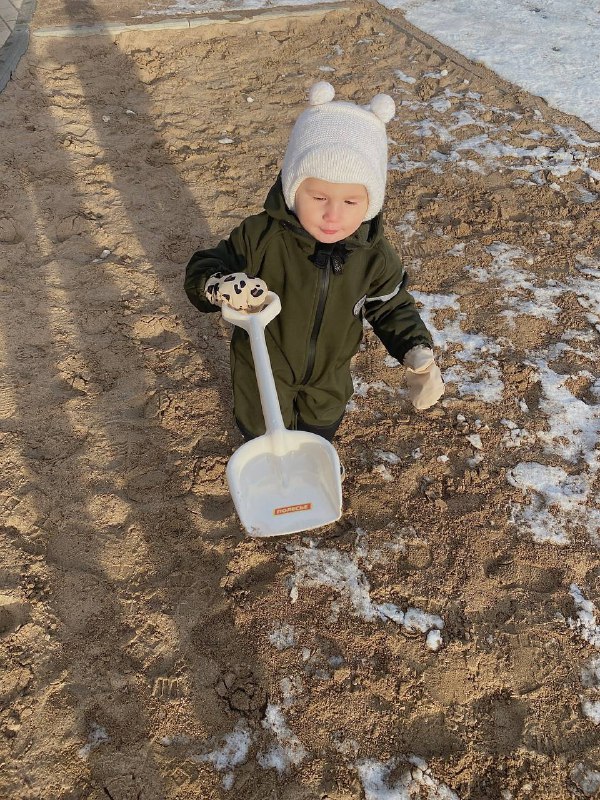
322, 255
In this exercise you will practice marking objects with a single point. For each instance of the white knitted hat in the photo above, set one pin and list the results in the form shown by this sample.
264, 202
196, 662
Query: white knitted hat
339, 142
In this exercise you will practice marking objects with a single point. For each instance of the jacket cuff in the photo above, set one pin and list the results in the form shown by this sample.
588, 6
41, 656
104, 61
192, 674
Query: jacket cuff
418, 358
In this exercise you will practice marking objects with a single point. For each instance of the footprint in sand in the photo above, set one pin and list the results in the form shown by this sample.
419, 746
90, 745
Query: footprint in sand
70, 226
241, 690
7, 404
8, 231
13, 613
167, 688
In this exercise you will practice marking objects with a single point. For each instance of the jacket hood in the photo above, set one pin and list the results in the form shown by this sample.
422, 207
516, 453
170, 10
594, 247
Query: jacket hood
367, 235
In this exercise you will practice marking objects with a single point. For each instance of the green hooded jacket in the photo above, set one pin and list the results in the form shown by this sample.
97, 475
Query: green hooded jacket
325, 291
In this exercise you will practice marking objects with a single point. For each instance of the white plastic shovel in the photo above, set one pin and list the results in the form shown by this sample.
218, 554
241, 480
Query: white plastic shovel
283, 481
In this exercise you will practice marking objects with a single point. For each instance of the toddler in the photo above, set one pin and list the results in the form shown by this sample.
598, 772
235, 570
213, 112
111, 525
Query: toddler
319, 244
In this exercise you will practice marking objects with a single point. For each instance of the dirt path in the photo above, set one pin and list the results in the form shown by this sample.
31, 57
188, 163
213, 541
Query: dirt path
139, 627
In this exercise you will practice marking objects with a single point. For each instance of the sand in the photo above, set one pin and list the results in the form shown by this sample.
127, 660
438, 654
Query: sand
139, 627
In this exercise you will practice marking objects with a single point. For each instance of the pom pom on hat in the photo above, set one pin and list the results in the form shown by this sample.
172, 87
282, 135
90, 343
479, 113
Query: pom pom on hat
339, 142
320, 93
383, 106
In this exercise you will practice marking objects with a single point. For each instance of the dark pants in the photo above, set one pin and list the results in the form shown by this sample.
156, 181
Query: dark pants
327, 431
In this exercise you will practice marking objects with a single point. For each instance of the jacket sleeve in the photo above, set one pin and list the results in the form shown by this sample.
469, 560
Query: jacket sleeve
392, 311
230, 255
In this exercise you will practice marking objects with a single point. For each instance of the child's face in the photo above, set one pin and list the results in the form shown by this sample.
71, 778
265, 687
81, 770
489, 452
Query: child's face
330, 211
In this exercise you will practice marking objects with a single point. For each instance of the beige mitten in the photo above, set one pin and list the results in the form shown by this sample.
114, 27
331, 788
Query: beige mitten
238, 290
423, 377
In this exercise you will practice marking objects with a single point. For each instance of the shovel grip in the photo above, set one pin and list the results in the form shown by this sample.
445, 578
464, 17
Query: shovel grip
245, 319
254, 324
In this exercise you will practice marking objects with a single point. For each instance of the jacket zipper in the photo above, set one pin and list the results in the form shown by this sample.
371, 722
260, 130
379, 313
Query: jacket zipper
312, 345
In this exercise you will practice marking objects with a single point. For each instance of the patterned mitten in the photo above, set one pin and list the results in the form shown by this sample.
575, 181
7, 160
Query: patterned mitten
238, 290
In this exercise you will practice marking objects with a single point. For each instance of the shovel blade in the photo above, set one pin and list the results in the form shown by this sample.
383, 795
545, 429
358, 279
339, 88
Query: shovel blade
285, 482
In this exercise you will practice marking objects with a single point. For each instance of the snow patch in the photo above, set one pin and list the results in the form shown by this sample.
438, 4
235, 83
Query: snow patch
97, 736
557, 501
232, 753
375, 777
283, 636
585, 623
342, 573
288, 750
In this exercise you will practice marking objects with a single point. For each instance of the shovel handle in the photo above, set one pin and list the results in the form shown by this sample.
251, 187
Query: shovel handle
254, 323
246, 319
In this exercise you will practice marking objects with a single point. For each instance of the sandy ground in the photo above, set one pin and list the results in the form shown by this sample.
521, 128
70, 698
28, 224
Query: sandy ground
138, 626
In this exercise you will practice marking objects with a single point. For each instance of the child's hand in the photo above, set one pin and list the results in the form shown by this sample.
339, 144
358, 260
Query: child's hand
238, 290
423, 377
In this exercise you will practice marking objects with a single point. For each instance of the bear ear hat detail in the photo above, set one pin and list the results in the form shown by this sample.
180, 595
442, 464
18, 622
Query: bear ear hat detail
319, 93
382, 105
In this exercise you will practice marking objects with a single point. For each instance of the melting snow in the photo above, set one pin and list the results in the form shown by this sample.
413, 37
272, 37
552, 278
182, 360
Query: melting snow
283, 637
339, 571
386, 475
434, 640
288, 751
591, 709
290, 689
336, 570
515, 437
97, 737
557, 501
233, 752
574, 424
385, 455
477, 373
590, 674
404, 77
587, 779
375, 778
589, 631
585, 624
